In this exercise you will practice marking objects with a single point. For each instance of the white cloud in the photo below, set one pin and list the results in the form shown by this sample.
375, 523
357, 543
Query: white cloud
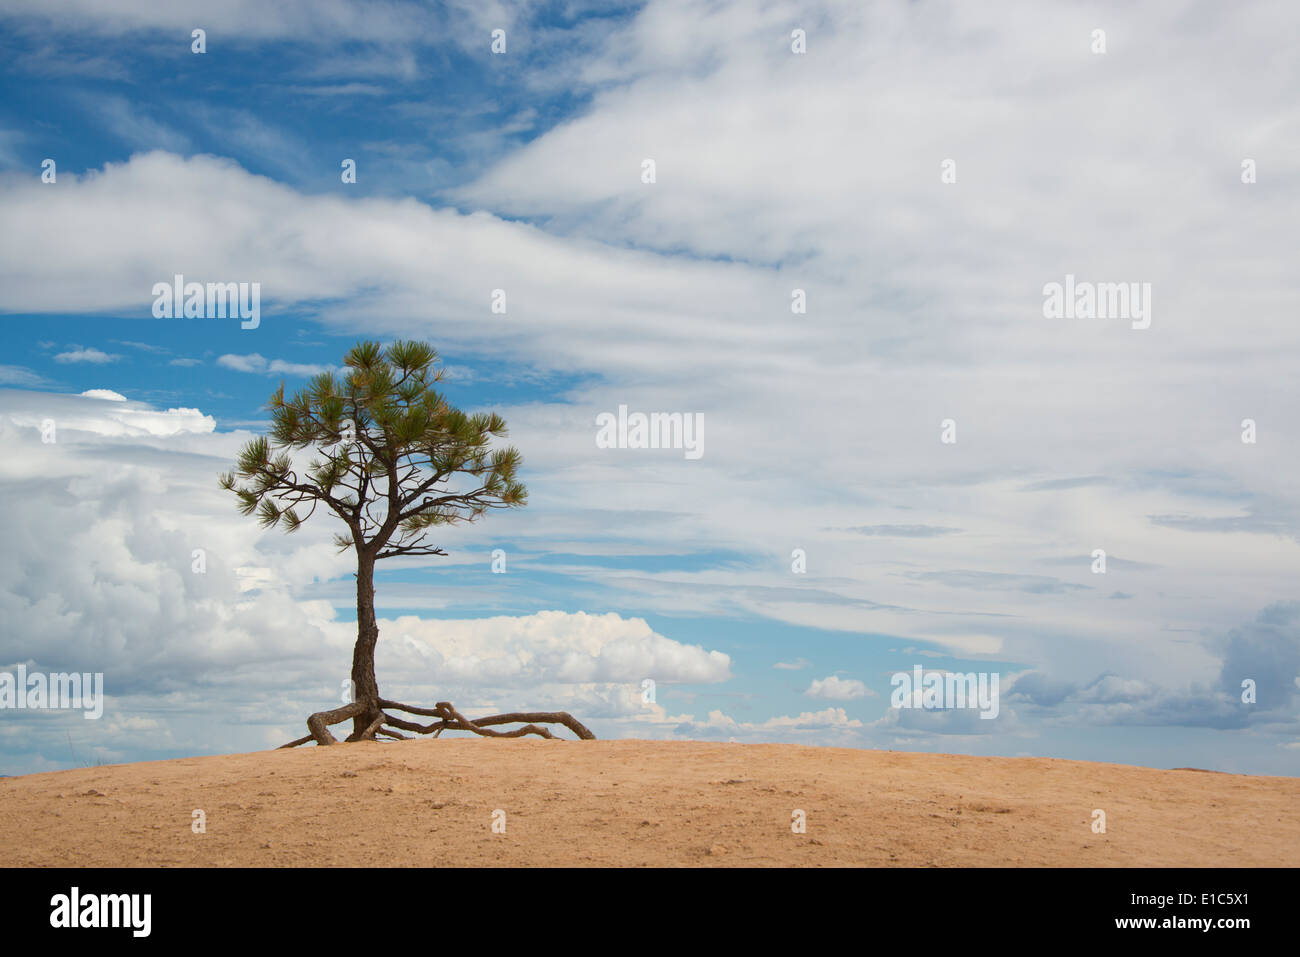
826, 720
281, 367
249, 363
91, 355
258, 363
19, 375
810, 720
100, 412
835, 688
553, 646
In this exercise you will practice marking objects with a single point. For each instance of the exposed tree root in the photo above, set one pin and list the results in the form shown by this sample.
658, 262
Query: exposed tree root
449, 719
318, 724
370, 731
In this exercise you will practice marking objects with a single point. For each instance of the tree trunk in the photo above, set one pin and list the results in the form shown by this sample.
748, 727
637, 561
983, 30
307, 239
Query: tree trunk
370, 713
365, 689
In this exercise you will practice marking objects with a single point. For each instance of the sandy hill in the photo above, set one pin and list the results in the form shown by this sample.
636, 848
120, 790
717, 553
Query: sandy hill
432, 803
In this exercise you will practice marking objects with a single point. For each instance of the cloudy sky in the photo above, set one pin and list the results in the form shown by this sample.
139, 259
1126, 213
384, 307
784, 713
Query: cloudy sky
921, 172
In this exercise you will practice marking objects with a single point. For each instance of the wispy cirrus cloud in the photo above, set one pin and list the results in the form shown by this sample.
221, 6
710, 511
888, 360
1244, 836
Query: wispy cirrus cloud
20, 376
133, 124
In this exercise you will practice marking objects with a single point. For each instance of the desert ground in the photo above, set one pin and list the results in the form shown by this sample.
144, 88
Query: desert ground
640, 803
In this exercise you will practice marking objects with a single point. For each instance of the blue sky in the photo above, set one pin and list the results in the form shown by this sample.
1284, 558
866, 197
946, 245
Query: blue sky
775, 171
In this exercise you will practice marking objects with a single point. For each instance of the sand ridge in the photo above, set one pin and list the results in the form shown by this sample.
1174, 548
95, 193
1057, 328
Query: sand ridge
433, 803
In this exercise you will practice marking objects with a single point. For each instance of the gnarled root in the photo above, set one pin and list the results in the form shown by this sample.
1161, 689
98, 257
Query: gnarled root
449, 719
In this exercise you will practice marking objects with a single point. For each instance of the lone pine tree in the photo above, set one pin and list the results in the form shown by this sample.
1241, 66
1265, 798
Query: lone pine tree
394, 461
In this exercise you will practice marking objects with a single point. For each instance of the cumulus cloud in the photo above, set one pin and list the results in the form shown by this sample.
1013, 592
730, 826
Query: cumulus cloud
552, 646
835, 688
101, 413
1256, 685
100, 575
813, 720
832, 721
1266, 652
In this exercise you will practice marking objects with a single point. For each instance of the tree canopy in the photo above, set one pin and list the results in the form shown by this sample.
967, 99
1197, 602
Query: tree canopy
387, 446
